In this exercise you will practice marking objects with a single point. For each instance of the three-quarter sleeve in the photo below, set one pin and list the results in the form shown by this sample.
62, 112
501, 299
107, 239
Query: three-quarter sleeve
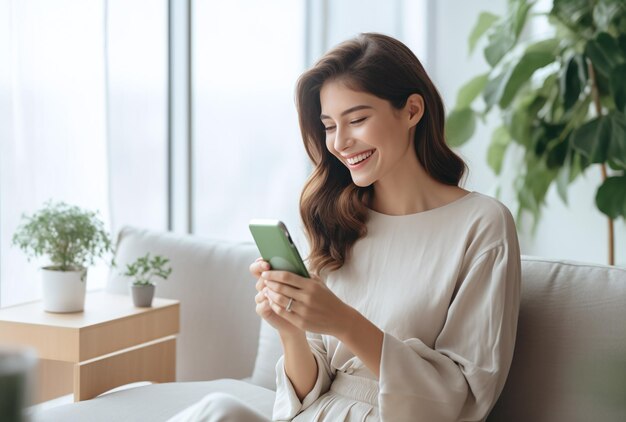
287, 404
463, 375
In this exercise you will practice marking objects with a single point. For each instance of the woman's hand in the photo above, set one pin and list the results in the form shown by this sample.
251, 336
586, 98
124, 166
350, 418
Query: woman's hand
314, 308
263, 304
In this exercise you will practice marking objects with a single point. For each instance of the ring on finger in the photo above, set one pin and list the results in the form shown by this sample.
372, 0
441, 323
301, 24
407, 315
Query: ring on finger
288, 307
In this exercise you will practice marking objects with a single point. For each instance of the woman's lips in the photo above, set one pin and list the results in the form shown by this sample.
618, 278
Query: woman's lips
360, 163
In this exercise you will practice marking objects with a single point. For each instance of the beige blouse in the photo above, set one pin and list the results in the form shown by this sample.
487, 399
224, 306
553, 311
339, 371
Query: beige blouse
444, 286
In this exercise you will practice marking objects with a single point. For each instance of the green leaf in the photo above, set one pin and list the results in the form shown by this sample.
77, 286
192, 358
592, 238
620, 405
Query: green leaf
562, 178
604, 53
506, 33
468, 92
592, 139
617, 146
575, 14
494, 88
521, 74
605, 12
611, 197
570, 83
460, 126
621, 41
557, 153
500, 140
485, 21
524, 114
617, 86
550, 46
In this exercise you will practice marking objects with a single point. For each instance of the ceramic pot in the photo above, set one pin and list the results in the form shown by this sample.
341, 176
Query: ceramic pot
142, 295
64, 291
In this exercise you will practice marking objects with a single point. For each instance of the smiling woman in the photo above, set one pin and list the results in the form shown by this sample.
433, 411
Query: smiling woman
410, 310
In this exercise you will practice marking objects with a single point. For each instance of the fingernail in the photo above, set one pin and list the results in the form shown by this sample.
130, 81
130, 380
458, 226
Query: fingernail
265, 266
264, 274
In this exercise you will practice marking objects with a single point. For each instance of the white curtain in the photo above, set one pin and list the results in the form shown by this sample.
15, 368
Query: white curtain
52, 123
249, 161
137, 108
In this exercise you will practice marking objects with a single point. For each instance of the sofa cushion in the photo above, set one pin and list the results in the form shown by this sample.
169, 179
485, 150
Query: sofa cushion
219, 326
570, 353
157, 402
270, 350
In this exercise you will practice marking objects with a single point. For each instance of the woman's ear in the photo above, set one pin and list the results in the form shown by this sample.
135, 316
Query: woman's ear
415, 107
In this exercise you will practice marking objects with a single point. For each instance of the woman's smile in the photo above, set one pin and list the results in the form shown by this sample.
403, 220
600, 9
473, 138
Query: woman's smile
359, 161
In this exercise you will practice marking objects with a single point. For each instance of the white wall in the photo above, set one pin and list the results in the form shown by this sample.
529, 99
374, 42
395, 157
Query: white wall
574, 232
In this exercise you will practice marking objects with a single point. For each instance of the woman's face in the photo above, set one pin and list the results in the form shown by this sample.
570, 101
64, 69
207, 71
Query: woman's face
370, 137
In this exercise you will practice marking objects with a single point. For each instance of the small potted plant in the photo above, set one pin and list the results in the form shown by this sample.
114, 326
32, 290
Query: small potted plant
71, 238
142, 272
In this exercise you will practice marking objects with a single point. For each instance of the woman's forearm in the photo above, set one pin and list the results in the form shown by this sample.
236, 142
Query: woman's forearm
300, 364
364, 339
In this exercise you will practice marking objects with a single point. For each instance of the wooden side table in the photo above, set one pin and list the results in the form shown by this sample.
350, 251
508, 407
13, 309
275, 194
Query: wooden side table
111, 343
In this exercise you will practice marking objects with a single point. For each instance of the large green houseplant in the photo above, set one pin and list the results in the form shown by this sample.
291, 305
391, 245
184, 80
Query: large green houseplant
71, 238
562, 99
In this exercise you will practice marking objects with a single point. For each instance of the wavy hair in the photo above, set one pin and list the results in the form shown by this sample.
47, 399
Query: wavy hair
333, 209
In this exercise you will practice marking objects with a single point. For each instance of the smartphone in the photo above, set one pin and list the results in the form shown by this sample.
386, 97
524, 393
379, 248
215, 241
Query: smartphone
276, 247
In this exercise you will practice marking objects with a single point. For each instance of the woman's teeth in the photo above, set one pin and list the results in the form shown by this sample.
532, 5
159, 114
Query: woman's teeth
359, 158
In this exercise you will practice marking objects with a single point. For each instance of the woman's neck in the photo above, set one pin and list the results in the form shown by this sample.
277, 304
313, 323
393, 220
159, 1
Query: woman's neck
408, 189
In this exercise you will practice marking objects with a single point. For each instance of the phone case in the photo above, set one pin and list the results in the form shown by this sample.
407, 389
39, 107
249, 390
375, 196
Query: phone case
276, 247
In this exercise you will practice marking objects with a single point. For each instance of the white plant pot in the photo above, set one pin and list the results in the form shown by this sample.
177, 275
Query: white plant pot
64, 291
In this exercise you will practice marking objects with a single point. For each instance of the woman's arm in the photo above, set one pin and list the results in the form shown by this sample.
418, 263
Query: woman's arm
363, 338
300, 365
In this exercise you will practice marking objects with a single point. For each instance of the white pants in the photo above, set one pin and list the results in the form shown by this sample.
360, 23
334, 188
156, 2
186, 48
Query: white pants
219, 407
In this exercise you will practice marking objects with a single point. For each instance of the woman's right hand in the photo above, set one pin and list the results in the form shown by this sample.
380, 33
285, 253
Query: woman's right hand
263, 308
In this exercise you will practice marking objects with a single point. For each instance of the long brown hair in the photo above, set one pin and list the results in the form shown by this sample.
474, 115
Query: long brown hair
332, 207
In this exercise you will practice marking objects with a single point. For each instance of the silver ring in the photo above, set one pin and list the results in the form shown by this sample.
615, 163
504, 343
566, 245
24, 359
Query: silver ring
288, 307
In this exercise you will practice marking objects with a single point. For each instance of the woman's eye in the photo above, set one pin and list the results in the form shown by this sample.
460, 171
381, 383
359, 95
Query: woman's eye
329, 128
357, 121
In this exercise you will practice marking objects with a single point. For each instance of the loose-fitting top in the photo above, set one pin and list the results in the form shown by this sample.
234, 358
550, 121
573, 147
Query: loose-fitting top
444, 286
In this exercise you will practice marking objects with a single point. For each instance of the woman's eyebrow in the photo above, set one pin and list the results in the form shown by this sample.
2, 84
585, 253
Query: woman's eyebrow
348, 111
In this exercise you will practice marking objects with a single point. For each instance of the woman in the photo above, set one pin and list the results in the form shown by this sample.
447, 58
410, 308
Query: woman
412, 312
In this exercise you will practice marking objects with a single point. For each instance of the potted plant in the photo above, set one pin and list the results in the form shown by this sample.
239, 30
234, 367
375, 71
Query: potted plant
71, 238
142, 272
561, 98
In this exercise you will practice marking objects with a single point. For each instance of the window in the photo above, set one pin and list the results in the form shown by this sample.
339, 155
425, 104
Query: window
249, 161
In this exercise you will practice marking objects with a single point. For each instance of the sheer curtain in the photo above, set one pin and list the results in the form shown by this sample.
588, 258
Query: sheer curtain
52, 123
249, 161
136, 62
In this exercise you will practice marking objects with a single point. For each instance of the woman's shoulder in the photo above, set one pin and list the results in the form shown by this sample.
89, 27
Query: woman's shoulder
488, 222
487, 209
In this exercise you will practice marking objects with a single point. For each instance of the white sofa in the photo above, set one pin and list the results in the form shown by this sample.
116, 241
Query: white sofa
569, 363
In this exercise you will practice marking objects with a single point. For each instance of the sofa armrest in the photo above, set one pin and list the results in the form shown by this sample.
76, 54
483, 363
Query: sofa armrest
219, 326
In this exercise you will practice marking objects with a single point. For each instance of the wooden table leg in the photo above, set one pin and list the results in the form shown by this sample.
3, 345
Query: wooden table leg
154, 361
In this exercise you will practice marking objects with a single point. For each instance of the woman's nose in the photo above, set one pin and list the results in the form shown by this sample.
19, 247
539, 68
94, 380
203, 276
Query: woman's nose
343, 140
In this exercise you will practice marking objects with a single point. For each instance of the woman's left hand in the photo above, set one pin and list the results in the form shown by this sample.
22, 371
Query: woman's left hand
314, 308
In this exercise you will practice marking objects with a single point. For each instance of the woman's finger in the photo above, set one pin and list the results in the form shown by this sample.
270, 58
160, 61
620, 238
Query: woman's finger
285, 277
286, 290
258, 266
291, 317
280, 300
260, 284
260, 297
